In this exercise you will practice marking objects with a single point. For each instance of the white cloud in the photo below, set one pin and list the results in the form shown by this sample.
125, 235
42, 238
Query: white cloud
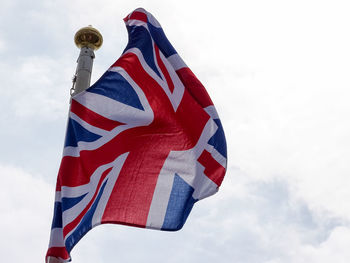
268, 223
37, 87
26, 211
2, 45
276, 129
334, 249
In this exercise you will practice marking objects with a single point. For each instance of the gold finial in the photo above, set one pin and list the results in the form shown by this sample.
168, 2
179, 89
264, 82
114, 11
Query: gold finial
88, 37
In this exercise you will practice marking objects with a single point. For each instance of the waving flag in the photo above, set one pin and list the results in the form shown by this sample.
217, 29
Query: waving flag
143, 144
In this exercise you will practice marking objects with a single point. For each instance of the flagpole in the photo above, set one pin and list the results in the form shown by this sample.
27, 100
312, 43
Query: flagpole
88, 39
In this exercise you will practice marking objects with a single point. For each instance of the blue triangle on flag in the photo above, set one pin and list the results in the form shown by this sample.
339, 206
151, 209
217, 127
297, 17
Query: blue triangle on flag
114, 86
76, 133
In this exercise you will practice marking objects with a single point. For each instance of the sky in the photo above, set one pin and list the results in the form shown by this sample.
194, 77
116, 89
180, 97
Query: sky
278, 73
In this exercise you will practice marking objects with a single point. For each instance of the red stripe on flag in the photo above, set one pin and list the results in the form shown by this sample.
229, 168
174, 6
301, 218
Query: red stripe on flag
72, 173
164, 70
194, 87
57, 252
69, 227
213, 170
92, 117
137, 16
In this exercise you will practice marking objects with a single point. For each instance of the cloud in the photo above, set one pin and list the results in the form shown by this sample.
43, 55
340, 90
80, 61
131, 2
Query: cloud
36, 86
26, 211
334, 249
280, 131
265, 222
2, 45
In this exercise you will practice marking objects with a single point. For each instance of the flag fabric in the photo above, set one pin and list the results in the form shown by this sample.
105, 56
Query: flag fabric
143, 144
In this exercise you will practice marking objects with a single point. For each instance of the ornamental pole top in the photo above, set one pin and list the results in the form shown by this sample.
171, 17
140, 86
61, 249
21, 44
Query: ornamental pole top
88, 37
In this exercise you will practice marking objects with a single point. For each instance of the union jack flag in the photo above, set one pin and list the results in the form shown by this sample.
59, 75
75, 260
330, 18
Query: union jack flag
143, 144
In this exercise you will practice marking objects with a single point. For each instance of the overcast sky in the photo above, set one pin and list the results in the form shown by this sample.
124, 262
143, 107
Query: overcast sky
278, 73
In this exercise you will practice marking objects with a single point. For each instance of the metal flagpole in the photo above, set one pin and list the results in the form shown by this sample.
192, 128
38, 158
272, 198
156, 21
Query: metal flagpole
87, 39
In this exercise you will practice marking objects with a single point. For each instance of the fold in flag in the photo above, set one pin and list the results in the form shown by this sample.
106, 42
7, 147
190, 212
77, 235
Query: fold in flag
143, 144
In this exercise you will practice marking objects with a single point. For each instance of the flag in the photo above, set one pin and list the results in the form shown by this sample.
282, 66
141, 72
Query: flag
143, 144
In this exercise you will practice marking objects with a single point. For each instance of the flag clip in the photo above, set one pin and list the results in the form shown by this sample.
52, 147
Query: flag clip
74, 80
